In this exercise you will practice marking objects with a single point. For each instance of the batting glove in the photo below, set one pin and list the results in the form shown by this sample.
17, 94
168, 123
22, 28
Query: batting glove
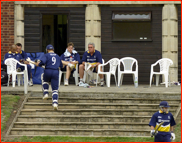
152, 132
173, 136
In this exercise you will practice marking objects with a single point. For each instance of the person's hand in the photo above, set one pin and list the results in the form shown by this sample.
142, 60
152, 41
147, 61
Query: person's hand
173, 136
152, 132
93, 66
26, 62
37, 63
21, 61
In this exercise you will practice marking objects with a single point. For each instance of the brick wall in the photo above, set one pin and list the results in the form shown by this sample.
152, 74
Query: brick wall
7, 27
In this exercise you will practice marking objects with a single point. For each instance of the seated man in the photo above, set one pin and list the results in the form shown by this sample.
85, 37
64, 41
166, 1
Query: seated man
23, 60
93, 57
12, 54
69, 60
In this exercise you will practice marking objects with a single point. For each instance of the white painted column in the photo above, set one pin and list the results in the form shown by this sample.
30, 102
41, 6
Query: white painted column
170, 38
19, 25
93, 26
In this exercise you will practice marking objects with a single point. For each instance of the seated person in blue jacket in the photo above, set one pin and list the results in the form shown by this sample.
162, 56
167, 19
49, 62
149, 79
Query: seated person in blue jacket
23, 60
69, 60
93, 57
52, 63
12, 54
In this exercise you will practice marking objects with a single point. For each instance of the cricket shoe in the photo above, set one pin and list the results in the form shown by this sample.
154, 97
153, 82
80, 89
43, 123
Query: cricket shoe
46, 96
55, 106
66, 83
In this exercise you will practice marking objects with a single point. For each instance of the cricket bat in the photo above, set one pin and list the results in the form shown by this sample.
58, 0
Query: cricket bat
30, 61
158, 128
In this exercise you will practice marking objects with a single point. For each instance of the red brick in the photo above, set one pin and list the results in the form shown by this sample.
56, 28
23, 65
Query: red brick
7, 26
10, 13
5, 10
2, 21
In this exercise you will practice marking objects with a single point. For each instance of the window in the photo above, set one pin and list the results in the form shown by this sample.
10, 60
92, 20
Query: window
131, 26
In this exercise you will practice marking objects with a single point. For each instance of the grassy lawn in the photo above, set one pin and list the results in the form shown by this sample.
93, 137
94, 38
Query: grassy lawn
177, 132
81, 139
7, 102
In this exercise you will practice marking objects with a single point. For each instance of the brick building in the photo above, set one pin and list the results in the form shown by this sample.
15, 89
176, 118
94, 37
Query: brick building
7, 26
35, 24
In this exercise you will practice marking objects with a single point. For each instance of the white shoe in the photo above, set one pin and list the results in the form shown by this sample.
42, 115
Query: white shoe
102, 83
80, 83
71, 66
30, 82
66, 83
46, 96
55, 106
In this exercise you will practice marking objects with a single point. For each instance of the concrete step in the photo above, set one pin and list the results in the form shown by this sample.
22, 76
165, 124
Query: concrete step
79, 132
116, 94
102, 100
78, 118
82, 125
95, 106
139, 112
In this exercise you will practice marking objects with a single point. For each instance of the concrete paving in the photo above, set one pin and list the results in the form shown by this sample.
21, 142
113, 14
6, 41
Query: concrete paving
173, 89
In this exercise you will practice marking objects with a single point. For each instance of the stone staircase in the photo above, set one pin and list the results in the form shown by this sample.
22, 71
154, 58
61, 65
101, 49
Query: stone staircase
90, 114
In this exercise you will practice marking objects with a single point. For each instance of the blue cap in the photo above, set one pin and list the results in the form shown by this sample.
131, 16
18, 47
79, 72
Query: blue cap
164, 104
49, 47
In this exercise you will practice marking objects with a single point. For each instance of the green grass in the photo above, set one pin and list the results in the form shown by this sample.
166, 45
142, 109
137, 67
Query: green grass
7, 102
177, 132
81, 139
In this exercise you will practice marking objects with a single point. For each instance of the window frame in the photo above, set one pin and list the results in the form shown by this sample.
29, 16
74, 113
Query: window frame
131, 20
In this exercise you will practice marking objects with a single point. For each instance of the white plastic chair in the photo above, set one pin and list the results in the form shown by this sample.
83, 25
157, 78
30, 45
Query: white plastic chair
112, 71
11, 70
75, 74
128, 63
164, 64
87, 76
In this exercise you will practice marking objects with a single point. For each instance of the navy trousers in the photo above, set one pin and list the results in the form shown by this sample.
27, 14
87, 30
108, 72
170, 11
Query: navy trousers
53, 77
163, 137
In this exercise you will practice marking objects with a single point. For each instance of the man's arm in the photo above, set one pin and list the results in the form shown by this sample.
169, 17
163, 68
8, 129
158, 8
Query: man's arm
84, 58
171, 128
152, 127
25, 57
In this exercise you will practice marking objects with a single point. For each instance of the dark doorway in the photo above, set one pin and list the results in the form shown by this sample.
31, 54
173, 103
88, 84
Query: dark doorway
54, 31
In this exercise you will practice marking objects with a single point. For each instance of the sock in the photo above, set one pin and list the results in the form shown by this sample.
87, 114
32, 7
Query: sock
101, 80
81, 79
66, 79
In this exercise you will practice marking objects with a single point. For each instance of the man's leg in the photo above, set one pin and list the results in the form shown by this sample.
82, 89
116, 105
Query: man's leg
81, 72
29, 75
68, 72
158, 138
45, 84
167, 138
55, 86
101, 76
